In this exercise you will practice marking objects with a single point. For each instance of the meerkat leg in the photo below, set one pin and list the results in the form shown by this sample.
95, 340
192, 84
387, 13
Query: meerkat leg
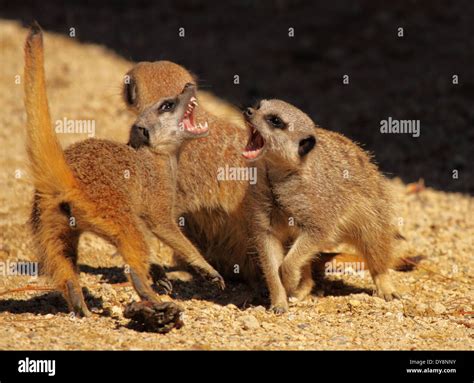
172, 236
377, 252
123, 230
305, 286
271, 255
299, 256
132, 246
58, 255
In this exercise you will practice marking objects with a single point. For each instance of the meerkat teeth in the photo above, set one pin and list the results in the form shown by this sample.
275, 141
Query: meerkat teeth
251, 154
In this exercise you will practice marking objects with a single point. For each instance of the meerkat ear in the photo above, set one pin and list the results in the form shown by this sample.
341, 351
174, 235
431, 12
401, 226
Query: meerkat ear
306, 145
194, 77
130, 91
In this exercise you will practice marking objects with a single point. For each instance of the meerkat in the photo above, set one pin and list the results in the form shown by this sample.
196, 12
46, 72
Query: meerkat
213, 208
218, 213
113, 190
319, 189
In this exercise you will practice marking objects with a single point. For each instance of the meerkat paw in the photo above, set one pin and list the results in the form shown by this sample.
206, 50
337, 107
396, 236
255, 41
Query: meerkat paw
218, 280
158, 275
388, 296
76, 300
279, 308
384, 288
165, 284
302, 292
298, 296
81, 311
214, 277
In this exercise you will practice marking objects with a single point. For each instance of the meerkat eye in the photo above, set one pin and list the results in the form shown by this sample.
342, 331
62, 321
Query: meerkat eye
167, 106
275, 121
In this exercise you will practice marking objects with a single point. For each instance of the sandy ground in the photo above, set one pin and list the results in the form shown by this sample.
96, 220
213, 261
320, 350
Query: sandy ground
84, 83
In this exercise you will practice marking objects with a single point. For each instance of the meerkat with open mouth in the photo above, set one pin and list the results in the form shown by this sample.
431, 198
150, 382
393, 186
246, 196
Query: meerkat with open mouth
107, 188
213, 209
319, 189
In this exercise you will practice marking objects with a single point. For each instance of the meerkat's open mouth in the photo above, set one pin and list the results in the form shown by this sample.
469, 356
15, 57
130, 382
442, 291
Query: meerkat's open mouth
255, 144
188, 122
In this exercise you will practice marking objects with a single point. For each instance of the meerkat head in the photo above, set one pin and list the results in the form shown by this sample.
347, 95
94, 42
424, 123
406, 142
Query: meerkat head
278, 131
148, 82
166, 124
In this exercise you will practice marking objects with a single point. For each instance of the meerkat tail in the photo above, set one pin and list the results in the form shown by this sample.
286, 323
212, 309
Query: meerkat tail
399, 263
324, 258
48, 164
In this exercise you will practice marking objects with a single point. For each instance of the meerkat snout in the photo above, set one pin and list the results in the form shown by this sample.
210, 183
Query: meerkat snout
139, 136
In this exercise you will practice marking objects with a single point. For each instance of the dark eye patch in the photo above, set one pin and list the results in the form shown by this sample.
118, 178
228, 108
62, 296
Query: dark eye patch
275, 122
167, 106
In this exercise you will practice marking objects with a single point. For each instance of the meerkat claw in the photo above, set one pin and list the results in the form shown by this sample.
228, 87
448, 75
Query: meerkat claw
397, 295
159, 277
278, 310
388, 296
166, 285
219, 281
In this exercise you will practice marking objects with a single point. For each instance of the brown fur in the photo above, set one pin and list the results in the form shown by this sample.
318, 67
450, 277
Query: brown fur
315, 197
218, 214
214, 209
87, 188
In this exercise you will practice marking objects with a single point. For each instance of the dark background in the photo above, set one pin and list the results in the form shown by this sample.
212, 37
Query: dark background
404, 78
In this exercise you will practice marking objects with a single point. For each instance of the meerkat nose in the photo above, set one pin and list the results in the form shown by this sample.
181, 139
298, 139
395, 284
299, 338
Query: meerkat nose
248, 112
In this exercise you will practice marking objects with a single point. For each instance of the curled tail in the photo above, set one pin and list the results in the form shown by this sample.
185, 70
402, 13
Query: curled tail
51, 174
